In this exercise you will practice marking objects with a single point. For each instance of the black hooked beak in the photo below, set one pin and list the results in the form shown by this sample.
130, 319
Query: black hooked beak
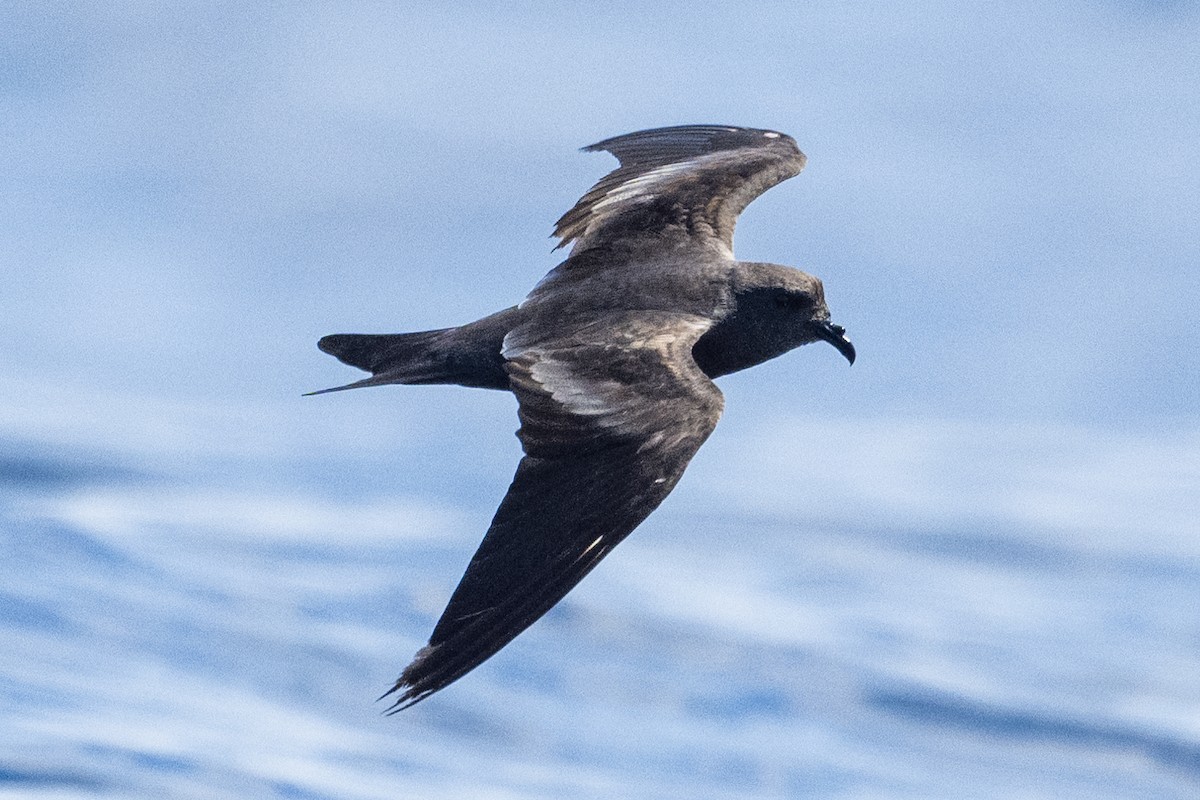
835, 335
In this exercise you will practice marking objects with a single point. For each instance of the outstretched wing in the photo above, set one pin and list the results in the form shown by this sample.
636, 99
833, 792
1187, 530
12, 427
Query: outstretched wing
612, 409
691, 180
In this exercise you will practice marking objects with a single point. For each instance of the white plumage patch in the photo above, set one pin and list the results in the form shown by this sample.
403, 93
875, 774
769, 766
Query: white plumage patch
587, 397
640, 189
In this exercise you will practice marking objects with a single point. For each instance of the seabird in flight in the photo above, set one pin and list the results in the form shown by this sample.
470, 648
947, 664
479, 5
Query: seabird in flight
612, 359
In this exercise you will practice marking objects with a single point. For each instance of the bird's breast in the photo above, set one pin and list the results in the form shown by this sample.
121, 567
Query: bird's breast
736, 343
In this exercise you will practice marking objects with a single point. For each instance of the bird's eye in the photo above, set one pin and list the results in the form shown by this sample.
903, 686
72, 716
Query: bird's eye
793, 302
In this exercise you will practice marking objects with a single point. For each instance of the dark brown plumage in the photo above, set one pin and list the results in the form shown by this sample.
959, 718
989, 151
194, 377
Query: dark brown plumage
611, 358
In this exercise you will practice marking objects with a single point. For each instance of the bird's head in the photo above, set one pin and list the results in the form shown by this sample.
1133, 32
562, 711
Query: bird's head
772, 310
787, 307
799, 314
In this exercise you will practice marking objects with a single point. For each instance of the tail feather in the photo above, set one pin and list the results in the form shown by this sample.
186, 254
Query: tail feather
378, 352
469, 355
377, 380
390, 358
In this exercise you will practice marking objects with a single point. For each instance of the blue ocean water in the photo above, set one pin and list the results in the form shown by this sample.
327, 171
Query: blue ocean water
183, 631
966, 568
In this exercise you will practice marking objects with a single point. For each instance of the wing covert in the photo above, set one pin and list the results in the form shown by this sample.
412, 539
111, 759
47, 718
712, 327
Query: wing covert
690, 180
612, 411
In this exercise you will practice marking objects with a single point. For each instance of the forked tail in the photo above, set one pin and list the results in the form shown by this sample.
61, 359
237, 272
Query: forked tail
468, 355
391, 357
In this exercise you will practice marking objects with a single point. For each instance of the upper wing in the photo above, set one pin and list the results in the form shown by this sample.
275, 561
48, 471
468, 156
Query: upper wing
691, 180
611, 412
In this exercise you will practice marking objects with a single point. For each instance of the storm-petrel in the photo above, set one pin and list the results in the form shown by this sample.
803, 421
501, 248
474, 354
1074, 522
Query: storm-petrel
611, 358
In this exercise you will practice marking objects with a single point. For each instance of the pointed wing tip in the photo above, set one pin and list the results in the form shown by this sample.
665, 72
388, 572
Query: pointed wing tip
409, 698
411, 686
699, 137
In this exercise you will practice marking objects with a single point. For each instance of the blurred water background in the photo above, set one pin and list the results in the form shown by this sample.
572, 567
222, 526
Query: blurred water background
967, 567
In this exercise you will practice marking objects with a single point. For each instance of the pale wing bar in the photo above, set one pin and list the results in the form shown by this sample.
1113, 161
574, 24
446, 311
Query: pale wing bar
692, 180
612, 411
